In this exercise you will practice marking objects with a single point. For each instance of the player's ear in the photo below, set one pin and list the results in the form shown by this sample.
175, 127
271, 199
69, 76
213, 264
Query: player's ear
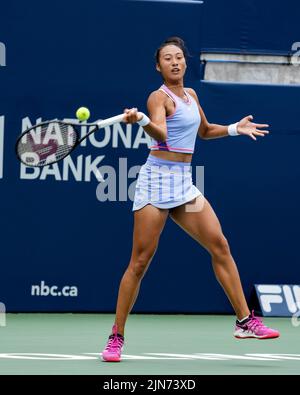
158, 67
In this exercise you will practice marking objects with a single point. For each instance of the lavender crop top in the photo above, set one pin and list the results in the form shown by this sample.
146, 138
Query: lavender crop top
182, 125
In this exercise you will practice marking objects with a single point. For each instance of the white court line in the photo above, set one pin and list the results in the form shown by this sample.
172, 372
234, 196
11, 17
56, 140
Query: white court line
154, 356
291, 357
48, 357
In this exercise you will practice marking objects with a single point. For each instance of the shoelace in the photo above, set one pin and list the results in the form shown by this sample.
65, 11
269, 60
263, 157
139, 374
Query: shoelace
254, 323
114, 342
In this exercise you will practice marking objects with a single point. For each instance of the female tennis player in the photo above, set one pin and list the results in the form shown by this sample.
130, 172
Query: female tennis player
164, 188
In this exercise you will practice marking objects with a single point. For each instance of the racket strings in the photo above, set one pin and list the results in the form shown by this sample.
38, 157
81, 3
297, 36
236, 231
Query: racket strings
46, 144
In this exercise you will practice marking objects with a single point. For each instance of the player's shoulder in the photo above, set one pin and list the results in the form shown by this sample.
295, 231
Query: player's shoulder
157, 93
156, 96
192, 92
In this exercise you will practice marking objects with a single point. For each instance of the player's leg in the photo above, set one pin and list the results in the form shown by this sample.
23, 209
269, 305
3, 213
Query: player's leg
204, 226
148, 225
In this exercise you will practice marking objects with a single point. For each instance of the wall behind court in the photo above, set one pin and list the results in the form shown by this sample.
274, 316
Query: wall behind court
64, 250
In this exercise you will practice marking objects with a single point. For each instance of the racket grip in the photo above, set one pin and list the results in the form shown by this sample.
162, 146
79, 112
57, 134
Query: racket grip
110, 121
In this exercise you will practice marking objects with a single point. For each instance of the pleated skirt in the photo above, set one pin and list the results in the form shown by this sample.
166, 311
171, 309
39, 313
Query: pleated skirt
164, 184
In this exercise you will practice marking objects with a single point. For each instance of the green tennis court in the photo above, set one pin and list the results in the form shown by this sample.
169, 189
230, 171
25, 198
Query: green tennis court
69, 344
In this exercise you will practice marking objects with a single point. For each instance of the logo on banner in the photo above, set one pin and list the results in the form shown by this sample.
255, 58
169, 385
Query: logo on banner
2, 314
295, 59
2, 54
117, 182
86, 167
54, 290
278, 300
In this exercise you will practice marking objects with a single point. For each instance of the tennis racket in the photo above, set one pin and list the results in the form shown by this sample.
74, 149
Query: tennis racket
51, 141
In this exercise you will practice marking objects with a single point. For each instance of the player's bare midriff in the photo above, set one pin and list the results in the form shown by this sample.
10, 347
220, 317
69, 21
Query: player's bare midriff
172, 156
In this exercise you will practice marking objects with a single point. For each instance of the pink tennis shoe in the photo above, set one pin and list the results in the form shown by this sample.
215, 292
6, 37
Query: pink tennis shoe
114, 347
253, 327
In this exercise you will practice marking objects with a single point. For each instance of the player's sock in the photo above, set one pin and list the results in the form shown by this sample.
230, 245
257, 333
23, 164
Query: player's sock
244, 320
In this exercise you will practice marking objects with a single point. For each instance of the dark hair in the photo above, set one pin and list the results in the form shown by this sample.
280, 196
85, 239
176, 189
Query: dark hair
172, 41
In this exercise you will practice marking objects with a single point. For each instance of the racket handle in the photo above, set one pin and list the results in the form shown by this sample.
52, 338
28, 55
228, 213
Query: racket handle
110, 121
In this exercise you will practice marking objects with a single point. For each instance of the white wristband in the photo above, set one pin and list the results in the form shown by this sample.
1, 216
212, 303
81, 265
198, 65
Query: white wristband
144, 121
232, 129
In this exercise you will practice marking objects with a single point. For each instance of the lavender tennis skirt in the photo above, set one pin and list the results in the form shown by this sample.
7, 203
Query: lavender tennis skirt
164, 184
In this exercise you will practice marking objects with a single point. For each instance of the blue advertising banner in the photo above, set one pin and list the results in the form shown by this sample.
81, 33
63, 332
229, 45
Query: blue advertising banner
66, 229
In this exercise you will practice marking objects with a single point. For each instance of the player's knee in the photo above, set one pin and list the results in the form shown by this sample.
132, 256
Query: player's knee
139, 264
219, 246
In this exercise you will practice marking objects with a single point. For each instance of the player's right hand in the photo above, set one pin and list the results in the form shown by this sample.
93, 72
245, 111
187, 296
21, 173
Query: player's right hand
132, 115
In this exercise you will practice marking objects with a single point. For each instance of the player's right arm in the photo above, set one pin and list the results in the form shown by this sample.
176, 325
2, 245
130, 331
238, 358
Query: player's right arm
157, 128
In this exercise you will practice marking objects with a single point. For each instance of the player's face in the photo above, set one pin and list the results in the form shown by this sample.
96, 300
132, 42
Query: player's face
172, 64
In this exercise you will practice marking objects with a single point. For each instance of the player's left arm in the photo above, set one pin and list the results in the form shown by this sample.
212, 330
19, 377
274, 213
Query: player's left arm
212, 131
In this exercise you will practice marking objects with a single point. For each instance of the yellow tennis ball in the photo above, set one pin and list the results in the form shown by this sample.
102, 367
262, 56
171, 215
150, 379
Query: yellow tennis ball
83, 113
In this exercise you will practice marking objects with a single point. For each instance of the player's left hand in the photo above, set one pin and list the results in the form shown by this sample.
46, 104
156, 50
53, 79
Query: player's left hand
246, 127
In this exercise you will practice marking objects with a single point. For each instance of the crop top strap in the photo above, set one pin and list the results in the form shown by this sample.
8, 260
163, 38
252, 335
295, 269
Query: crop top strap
167, 91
